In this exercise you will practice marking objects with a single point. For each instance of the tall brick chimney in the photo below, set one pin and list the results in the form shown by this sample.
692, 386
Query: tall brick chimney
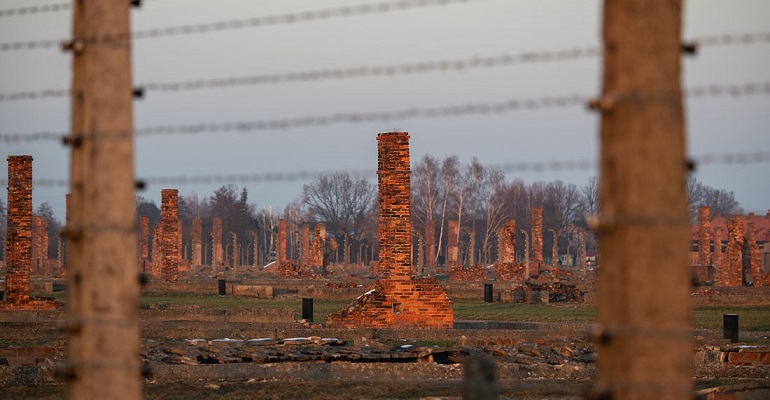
18, 241
398, 299
704, 235
537, 235
506, 242
169, 215
395, 230
216, 238
280, 243
196, 232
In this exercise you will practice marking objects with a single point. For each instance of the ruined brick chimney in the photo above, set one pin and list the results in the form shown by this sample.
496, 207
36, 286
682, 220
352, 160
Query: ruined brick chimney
537, 236
196, 232
216, 238
704, 235
398, 300
731, 273
452, 253
18, 241
280, 243
144, 241
506, 242
169, 215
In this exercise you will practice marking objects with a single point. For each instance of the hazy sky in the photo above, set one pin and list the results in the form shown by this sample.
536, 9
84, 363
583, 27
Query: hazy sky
478, 28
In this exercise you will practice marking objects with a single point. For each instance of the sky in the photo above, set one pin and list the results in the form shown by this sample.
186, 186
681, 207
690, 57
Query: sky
458, 31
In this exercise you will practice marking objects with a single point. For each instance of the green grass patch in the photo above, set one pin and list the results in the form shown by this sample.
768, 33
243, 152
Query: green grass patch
480, 311
750, 318
320, 307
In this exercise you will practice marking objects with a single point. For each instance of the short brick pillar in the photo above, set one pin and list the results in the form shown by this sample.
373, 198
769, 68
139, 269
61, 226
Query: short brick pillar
196, 232
318, 246
731, 273
37, 246
718, 256
157, 253
280, 243
537, 235
752, 250
704, 235
506, 242
144, 241
216, 238
304, 244
452, 250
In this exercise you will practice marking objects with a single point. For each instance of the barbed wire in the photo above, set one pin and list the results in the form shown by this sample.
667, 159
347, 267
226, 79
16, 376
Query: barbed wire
364, 71
733, 39
47, 8
444, 65
512, 105
735, 158
244, 23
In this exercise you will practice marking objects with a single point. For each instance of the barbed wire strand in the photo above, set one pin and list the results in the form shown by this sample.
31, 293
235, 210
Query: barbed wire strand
364, 71
512, 105
244, 23
46, 8
736, 158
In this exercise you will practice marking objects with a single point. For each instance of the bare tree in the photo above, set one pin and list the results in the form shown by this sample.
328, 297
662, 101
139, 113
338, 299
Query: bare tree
589, 198
450, 173
561, 205
236, 212
472, 198
434, 184
694, 190
340, 201
426, 192
493, 206
3, 216
54, 225
721, 202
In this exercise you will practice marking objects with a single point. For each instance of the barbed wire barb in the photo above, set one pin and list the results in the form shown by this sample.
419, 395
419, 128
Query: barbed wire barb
46, 8
365, 71
501, 107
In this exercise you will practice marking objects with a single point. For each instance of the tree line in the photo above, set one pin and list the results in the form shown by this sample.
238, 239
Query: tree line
480, 198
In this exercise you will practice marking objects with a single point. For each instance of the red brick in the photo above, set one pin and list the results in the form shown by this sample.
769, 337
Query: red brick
704, 235
169, 215
398, 300
18, 240
280, 243
506, 242
196, 233
537, 235
216, 237
144, 239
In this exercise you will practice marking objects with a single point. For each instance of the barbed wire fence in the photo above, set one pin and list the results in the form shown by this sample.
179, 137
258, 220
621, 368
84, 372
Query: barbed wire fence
546, 102
368, 71
461, 110
694, 162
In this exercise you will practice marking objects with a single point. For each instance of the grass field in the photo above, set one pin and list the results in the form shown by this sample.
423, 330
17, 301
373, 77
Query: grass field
752, 318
